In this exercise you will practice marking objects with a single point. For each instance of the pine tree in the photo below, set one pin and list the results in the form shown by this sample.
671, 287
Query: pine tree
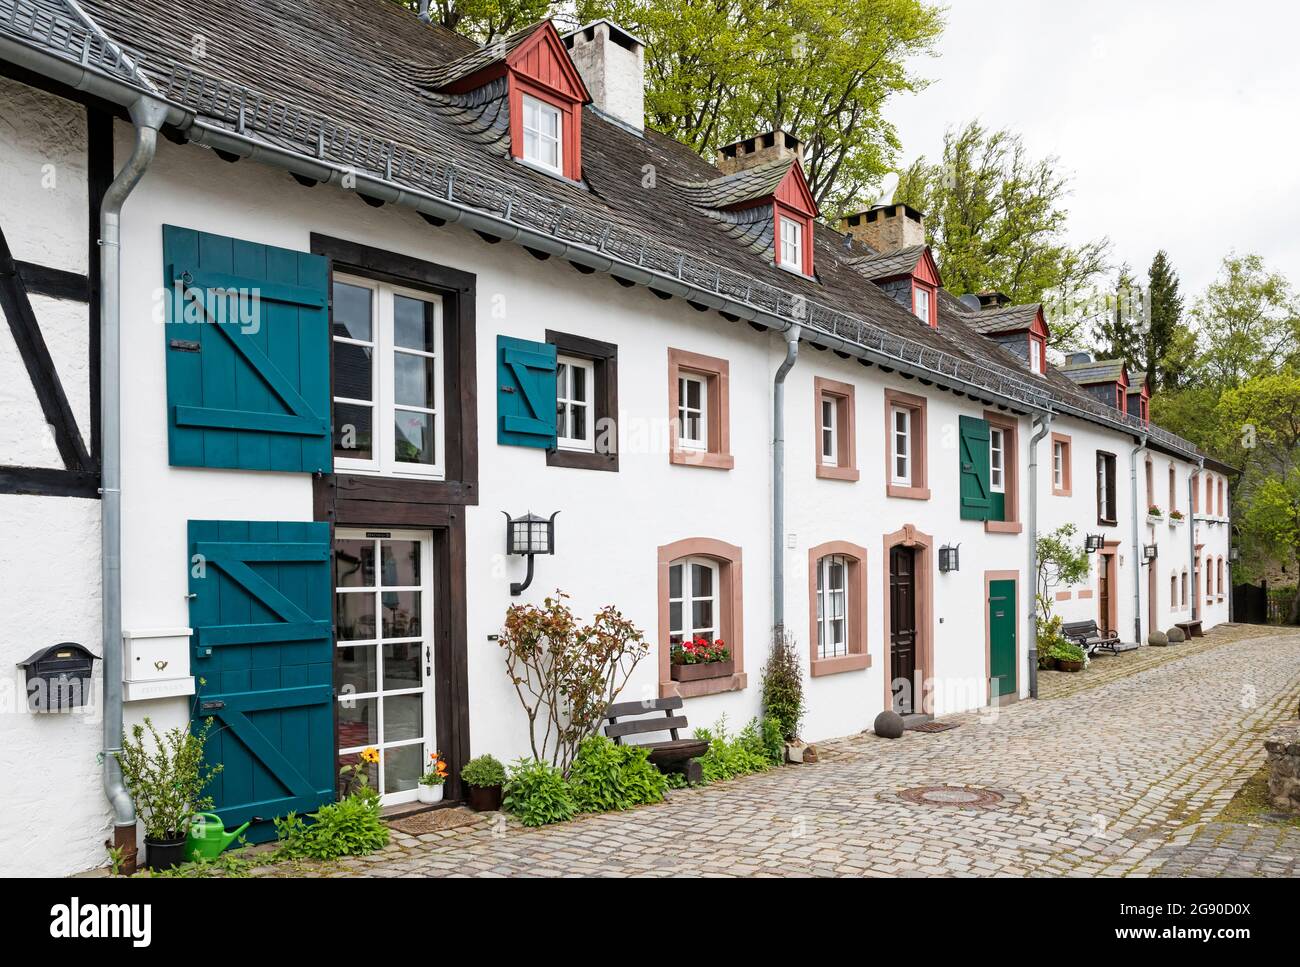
1164, 367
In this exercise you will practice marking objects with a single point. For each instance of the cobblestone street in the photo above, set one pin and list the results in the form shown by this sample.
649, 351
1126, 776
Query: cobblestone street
1124, 777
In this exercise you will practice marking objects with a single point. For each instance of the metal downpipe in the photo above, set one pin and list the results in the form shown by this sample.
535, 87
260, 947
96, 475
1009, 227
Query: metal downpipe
1031, 575
1191, 534
1137, 547
147, 115
778, 475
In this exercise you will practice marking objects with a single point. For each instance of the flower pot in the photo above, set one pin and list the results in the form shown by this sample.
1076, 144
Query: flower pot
484, 799
1046, 663
164, 854
693, 673
428, 794
1069, 665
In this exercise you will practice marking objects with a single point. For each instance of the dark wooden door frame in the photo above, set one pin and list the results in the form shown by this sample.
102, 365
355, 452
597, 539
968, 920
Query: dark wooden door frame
900, 628
923, 577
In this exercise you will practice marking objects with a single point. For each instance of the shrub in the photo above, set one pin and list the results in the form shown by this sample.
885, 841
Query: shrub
537, 794
783, 686
728, 757
167, 780
349, 827
773, 741
606, 776
483, 771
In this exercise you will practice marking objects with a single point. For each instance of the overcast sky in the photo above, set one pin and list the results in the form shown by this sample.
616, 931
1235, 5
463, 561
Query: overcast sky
1180, 119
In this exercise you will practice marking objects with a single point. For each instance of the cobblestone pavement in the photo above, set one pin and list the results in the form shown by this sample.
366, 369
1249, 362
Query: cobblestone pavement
1124, 778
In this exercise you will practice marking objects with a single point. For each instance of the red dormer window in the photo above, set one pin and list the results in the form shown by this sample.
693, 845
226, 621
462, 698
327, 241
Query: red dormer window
925, 289
794, 209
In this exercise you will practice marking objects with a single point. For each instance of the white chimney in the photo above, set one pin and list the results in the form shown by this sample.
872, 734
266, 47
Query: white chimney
612, 64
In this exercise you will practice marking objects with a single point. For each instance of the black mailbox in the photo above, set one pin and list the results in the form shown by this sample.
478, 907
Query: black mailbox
58, 677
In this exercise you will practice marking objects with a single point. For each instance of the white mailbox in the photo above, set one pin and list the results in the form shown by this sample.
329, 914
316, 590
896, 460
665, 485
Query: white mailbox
156, 663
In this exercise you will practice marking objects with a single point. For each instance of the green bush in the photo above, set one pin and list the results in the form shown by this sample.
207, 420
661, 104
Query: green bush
483, 771
349, 827
783, 686
538, 794
1067, 651
731, 757
773, 741
606, 776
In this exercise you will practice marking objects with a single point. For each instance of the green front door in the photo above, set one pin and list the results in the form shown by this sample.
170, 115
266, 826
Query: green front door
1002, 638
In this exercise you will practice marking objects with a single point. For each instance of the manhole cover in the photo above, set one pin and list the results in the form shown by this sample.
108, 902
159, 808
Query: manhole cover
955, 797
932, 727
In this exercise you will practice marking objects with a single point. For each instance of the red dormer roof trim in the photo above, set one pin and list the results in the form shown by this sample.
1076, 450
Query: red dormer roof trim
794, 193
544, 60
927, 270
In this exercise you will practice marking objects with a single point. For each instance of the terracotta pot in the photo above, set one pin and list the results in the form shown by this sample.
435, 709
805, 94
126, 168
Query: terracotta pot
693, 673
484, 799
1069, 665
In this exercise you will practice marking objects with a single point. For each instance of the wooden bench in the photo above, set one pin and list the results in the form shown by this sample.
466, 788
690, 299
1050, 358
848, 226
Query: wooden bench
1192, 629
1089, 637
672, 755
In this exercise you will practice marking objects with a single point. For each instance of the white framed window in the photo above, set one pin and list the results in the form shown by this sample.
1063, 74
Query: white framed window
791, 244
830, 431
901, 447
1036, 356
387, 379
543, 134
692, 412
1058, 465
997, 460
575, 382
693, 584
921, 303
832, 606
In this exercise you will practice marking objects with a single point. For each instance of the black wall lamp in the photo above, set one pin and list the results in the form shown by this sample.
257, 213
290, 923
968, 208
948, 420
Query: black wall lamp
949, 558
1150, 552
1093, 543
529, 536
1234, 554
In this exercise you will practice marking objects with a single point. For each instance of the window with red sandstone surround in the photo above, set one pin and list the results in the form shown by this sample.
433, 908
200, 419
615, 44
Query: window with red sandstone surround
835, 409
699, 410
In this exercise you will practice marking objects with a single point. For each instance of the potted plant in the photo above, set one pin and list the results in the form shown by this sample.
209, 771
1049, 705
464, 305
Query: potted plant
429, 788
701, 658
1069, 657
166, 776
1155, 513
1175, 517
484, 776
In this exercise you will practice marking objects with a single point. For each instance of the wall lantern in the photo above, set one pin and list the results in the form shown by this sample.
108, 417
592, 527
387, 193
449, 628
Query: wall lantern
949, 559
1234, 554
529, 535
1150, 552
1093, 543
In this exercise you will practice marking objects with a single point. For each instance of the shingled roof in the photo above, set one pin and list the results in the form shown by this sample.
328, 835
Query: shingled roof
890, 264
480, 58
1091, 373
740, 187
991, 322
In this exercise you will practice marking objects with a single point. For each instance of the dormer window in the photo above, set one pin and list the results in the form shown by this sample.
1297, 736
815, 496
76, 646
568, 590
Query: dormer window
791, 244
1035, 356
922, 299
543, 134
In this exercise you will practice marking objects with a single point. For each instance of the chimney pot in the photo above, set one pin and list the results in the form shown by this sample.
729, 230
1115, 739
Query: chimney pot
886, 228
758, 150
611, 62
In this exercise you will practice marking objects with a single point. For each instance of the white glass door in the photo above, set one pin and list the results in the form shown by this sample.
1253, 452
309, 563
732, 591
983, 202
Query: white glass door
383, 659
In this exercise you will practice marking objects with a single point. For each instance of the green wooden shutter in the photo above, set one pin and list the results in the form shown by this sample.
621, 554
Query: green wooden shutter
974, 456
525, 393
248, 377
263, 653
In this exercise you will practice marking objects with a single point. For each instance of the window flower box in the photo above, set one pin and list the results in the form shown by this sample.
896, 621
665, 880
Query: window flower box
701, 658
1175, 518
711, 669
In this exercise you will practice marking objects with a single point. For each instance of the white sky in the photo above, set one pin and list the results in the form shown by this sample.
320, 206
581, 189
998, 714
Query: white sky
1179, 119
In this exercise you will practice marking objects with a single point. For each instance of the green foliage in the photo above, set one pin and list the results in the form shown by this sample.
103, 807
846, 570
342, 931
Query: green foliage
606, 776
349, 827
996, 219
773, 740
783, 700
485, 20
823, 70
166, 776
1067, 651
730, 757
483, 771
537, 794
223, 866
1168, 346
1248, 321
1060, 561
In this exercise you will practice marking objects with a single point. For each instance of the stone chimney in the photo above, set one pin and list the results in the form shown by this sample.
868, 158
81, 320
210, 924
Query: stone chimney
612, 64
887, 228
992, 299
1072, 359
758, 150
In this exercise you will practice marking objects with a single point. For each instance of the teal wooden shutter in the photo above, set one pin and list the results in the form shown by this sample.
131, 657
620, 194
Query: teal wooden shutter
974, 456
248, 371
263, 654
525, 393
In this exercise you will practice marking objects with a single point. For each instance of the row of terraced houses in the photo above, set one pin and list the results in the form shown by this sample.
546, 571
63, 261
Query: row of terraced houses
298, 317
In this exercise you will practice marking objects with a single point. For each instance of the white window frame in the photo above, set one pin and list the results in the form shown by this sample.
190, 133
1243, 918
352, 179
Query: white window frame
687, 631
685, 442
1035, 357
826, 616
792, 241
1106, 511
531, 126
1058, 464
830, 431
920, 299
997, 460
567, 405
903, 437
383, 389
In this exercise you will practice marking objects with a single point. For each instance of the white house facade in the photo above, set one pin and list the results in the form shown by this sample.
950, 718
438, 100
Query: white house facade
357, 333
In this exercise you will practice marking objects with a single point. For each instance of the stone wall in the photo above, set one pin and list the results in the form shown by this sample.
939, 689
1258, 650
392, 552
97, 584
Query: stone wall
1283, 748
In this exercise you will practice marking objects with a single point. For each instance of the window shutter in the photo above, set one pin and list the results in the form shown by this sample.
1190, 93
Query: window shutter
248, 355
974, 456
525, 393
1110, 489
261, 600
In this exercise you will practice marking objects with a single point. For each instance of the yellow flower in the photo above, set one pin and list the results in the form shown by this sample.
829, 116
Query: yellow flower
370, 755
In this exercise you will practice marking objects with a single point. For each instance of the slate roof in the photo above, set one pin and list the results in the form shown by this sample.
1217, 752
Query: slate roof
990, 322
479, 58
888, 265
1091, 373
727, 191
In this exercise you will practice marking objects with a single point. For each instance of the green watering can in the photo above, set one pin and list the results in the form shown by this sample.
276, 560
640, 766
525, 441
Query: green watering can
208, 837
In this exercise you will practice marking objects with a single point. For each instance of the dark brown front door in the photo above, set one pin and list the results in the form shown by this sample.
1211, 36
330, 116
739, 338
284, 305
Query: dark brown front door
902, 628
1104, 592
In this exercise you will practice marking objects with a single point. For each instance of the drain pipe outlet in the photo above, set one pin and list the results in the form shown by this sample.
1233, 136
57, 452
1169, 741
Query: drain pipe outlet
778, 475
1031, 575
1191, 533
147, 115
1137, 547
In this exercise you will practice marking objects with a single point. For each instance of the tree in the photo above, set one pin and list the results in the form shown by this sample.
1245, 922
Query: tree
1273, 521
1123, 321
718, 71
1168, 346
1060, 561
1248, 322
485, 20
996, 219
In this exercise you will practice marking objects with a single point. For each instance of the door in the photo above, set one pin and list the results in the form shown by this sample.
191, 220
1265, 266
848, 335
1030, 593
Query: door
902, 628
383, 656
1103, 594
1002, 639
